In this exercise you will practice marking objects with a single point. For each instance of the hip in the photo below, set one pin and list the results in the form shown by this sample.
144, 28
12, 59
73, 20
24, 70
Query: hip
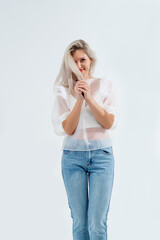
102, 158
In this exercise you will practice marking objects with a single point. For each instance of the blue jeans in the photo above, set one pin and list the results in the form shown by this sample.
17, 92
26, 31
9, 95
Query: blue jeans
89, 203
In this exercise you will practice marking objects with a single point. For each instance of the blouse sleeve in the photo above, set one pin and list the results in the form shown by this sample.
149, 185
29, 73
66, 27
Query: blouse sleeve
60, 110
108, 98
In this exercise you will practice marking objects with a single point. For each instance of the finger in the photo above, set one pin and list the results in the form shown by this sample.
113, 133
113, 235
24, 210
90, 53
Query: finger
82, 82
83, 90
75, 88
83, 85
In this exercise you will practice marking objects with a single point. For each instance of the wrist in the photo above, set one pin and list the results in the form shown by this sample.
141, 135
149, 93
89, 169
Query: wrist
88, 98
80, 99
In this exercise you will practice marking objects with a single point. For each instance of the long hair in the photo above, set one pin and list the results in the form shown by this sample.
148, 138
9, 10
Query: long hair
69, 72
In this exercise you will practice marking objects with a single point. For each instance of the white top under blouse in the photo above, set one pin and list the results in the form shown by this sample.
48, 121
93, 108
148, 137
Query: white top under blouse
89, 134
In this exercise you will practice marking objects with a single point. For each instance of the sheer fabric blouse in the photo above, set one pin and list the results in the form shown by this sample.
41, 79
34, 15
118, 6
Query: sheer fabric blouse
89, 134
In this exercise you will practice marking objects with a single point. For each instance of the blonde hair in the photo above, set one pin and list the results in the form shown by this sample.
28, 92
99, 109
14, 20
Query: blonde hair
69, 72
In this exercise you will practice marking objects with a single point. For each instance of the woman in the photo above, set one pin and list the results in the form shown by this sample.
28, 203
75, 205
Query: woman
84, 113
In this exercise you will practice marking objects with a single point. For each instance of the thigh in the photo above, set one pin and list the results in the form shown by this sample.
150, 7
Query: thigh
101, 183
76, 182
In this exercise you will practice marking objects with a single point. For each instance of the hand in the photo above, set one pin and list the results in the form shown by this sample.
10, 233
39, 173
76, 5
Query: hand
83, 86
78, 92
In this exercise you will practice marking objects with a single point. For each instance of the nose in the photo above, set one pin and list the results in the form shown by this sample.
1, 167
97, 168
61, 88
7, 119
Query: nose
79, 65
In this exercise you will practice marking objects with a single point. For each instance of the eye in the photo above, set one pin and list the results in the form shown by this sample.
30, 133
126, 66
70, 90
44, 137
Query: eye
82, 59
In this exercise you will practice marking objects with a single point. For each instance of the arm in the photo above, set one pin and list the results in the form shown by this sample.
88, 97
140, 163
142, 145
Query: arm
102, 116
71, 122
64, 120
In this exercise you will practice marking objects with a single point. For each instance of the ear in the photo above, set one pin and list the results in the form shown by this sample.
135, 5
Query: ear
91, 63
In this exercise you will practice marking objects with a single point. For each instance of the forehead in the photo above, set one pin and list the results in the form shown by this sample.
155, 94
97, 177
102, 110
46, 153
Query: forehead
79, 53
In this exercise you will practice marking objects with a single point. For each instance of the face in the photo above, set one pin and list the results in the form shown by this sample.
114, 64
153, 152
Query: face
83, 62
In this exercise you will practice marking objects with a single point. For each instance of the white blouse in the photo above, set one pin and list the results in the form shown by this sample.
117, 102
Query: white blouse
89, 134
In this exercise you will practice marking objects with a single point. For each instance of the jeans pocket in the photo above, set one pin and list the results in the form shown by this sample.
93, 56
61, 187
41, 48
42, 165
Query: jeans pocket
107, 150
66, 151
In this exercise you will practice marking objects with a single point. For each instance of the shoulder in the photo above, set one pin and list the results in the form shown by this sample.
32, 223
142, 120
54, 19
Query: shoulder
61, 91
105, 84
106, 80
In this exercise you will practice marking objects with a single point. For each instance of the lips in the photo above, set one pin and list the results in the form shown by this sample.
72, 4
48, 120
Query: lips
81, 69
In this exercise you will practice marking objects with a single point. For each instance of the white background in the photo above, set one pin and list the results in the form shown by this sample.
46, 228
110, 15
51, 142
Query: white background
33, 37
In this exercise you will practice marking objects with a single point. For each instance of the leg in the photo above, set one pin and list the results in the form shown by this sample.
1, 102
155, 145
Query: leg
100, 189
76, 185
